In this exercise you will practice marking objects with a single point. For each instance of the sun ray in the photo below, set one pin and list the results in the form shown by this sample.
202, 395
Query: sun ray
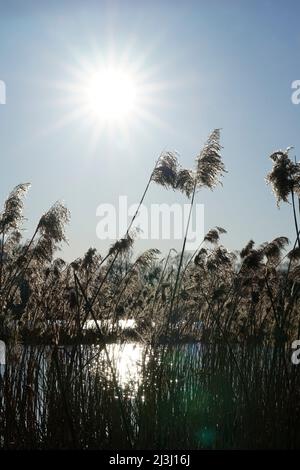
110, 94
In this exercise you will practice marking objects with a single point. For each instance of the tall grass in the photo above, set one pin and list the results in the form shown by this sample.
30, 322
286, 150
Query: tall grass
199, 403
214, 327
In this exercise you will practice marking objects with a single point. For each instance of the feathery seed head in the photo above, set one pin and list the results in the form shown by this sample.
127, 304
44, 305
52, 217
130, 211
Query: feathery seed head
209, 165
185, 181
13, 206
165, 171
284, 177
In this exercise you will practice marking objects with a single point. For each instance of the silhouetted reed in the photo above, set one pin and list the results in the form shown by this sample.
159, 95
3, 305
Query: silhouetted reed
210, 331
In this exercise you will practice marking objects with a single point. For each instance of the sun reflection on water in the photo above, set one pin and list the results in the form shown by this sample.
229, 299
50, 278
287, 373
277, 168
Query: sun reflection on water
127, 363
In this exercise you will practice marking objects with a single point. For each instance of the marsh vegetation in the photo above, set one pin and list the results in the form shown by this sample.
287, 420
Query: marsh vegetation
190, 350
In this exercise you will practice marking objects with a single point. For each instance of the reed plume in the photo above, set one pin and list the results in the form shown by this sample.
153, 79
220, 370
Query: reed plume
213, 236
11, 216
185, 181
247, 249
284, 179
52, 223
122, 246
209, 164
284, 176
146, 258
274, 249
165, 171
209, 169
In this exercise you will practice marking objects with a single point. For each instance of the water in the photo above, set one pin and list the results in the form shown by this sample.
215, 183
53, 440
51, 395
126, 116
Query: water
126, 360
184, 396
108, 325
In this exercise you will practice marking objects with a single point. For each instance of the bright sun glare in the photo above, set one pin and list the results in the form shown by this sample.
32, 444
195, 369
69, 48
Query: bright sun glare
111, 94
116, 95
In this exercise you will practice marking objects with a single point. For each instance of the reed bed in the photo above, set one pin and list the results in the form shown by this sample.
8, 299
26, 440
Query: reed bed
210, 332
66, 398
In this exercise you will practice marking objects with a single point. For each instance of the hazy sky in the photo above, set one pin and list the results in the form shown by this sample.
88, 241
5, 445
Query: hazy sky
204, 64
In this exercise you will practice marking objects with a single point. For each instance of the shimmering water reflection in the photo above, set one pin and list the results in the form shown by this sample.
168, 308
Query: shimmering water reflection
122, 361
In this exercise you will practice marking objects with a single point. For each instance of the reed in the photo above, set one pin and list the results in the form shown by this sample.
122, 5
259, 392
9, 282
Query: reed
210, 343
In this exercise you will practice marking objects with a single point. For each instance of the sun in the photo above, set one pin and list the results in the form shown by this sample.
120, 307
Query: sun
111, 94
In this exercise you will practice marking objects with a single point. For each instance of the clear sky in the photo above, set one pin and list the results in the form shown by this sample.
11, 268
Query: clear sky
201, 64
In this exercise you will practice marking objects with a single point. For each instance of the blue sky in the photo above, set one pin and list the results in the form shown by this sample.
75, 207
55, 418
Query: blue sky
227, 64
